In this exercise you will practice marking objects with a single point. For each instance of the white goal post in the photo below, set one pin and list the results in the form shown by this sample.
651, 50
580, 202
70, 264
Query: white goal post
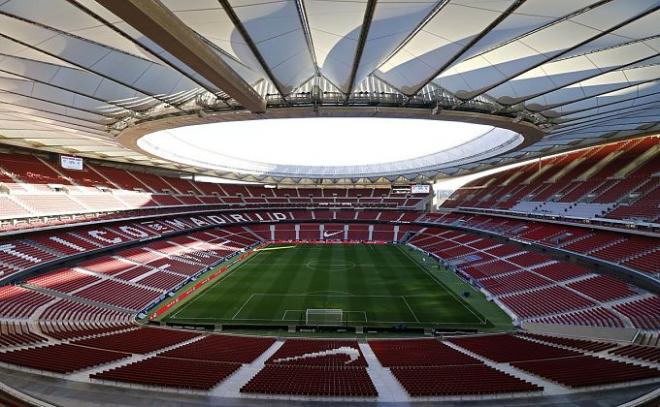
324, 316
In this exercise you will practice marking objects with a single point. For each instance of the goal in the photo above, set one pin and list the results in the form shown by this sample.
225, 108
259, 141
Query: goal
324, 316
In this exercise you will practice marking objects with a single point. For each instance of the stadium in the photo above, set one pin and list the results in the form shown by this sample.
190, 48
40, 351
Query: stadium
373, 202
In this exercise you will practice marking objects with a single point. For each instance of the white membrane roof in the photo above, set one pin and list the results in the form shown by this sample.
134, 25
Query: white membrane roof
74, 75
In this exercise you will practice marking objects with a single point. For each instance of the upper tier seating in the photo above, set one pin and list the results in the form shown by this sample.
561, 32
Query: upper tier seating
618, 180
39, 187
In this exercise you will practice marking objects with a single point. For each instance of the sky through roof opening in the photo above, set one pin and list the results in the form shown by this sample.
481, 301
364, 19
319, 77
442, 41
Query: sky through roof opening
321, 141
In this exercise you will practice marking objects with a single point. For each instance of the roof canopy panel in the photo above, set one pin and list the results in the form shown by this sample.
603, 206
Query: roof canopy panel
77, 75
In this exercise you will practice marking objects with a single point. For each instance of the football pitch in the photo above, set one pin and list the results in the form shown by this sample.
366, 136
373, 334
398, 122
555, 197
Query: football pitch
374, 285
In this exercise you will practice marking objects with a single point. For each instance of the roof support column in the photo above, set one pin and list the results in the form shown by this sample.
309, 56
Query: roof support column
163, 27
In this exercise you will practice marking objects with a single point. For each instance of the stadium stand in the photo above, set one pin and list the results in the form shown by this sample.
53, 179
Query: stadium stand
648, 353
222, 348
258, 203
312, 381
63, 196
592, 371
61, 358
477, 379
314, 368
157, 371
426, 367
535, 286
134, 256
602, 180
142, 340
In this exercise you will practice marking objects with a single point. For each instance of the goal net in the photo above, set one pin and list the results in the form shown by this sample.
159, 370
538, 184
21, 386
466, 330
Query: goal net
324, 316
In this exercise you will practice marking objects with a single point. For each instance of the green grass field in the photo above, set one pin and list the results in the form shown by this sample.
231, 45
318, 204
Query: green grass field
374, 285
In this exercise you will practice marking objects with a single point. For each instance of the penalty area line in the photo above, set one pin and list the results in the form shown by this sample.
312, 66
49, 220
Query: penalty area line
410, 308
463, 303
242, 306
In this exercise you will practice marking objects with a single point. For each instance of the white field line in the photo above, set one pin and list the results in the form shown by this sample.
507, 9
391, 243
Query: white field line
483, 321
201, 292
410, 308
243, 306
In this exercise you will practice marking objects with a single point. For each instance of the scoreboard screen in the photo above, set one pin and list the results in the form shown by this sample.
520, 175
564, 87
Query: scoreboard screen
71, 163
420, 189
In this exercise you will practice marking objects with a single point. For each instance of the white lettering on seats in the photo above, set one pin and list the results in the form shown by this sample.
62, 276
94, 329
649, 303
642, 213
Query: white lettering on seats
66, 243
9, 249
216, 219
98, 235
176, 223
133, 231
278, 216
238, 218
198, 222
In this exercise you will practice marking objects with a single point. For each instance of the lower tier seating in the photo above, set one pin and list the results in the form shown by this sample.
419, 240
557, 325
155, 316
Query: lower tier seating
18, 302
333, 381
223, 348
65, 280
647, 353
597, 316
545, 301
582, 371
62, 358
418, 352
143, 340
581, 344
318, 353
73, 330
644, 313
168, 372
460, 380
18, 334
133, 298
507, 348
